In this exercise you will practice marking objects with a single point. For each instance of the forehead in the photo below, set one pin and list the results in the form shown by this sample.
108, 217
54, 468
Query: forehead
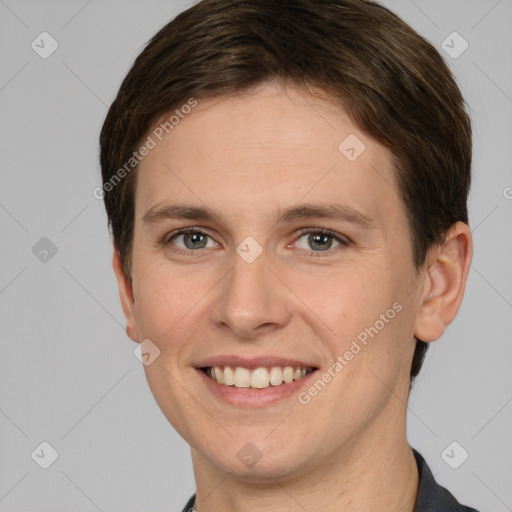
264, 151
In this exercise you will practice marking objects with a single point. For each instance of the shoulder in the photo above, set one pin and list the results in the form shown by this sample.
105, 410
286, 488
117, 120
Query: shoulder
431, 496
190, 505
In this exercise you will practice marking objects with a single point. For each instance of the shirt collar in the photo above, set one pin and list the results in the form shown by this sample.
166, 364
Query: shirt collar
431, 496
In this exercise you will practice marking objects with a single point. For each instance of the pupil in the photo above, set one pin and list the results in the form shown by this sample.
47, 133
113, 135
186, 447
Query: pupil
320, 239
192, 240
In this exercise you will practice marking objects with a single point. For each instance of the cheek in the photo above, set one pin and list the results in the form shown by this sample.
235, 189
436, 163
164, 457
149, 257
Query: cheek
164, 298
348, 300
364, 315
171, 314
170, 393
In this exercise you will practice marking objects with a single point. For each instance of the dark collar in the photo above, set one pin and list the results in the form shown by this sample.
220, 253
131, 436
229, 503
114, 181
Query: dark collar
431, 496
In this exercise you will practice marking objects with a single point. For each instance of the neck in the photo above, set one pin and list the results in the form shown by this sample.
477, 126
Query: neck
378, 475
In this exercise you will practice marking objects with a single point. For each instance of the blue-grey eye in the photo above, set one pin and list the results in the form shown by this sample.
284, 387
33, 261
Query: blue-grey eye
318, 241
193, 240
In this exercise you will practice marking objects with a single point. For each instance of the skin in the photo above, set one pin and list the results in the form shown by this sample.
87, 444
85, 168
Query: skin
248, 157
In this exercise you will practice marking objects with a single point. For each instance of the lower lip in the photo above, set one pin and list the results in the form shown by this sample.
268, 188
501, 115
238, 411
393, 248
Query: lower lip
251, 397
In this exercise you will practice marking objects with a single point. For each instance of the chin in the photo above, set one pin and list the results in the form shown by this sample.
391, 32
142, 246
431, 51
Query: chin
257, 462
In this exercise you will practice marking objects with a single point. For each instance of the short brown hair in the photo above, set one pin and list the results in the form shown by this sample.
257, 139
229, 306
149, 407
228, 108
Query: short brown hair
394, 85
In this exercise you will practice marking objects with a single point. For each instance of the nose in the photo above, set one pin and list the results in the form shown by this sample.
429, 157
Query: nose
251, 300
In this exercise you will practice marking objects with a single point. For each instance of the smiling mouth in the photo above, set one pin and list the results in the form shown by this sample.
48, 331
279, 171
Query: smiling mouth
256, 378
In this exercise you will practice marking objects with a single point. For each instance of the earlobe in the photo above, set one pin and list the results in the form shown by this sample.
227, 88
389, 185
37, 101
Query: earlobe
126, 296
447, 270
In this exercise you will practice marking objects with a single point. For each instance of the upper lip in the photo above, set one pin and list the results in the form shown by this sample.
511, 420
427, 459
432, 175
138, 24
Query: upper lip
251, 362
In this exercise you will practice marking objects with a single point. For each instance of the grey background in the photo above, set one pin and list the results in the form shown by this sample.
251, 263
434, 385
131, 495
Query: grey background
68, 375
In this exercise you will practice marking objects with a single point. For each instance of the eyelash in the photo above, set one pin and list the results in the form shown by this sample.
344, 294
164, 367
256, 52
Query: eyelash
344, 242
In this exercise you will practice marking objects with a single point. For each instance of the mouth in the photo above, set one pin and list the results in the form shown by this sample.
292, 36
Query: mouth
251, 381
256, 378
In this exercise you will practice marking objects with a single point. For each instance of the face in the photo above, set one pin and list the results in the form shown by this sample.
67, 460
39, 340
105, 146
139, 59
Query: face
296, 254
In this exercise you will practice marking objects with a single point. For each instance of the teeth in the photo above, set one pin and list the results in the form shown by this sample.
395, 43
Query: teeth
229, 376
276, 376
288, 374
218, 374
242, 377
258, 378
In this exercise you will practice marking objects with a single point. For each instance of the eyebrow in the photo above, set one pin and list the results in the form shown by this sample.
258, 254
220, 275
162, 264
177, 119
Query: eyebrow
335, 212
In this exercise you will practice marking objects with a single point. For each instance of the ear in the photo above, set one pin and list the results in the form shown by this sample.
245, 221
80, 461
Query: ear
447, 268
126, 296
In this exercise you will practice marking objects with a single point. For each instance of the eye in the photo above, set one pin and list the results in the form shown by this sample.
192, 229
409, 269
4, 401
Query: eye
319, 239
312, 239
191, 239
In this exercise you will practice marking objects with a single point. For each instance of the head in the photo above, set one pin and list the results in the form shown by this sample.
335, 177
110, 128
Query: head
244, 110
